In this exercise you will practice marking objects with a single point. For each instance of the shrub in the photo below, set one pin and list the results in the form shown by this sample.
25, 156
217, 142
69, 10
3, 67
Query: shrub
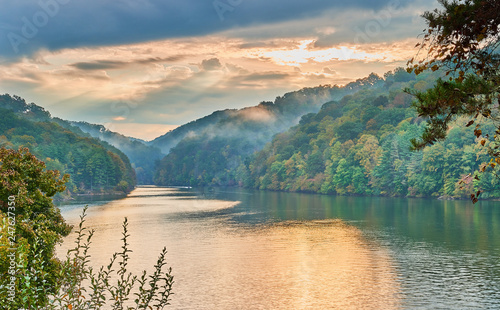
81, 287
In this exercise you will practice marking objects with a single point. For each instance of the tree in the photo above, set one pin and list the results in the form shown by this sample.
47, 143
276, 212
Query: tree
462, 37
35, 224
463, 40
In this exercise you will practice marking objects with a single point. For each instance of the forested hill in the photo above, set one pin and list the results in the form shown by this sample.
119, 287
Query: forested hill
94, 166
357, 145
142, 156
211, 147
360, 145
269, 117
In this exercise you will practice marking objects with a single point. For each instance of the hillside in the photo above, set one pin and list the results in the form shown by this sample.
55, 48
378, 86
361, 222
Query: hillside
215, 145
357, 144
360, 145
277, 116
173, 137
142, 157
94, 166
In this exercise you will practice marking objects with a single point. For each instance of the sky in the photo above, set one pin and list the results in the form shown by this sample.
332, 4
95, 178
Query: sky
144, 67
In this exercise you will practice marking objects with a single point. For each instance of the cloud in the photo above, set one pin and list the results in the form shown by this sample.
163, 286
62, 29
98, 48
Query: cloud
211, 64
236, 69
30, 25
265, 76
113, 64
84, 64
328, 70
72, 74
100, 65
254, 80
267, 44
93, 83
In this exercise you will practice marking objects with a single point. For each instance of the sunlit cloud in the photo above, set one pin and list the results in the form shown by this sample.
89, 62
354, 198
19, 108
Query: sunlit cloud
326, 30
304, 54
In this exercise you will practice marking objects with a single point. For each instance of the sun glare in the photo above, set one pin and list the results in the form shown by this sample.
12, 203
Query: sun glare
305, 53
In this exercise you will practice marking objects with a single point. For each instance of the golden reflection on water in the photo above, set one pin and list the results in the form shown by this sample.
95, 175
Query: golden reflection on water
303, 265
219, 264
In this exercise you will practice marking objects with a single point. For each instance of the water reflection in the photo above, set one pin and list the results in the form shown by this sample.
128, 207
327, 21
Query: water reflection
291, 265
285, 265
241, 249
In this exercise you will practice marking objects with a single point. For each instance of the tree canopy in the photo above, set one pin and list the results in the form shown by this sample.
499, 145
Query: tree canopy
357, 145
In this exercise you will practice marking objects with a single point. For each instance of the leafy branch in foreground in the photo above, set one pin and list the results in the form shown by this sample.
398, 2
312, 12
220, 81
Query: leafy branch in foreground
83, 288
463, 39
463, 36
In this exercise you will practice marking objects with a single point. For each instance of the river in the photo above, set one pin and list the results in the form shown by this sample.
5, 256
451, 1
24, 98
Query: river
243, 249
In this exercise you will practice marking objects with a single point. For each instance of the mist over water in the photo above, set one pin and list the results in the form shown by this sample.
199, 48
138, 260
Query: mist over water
238, 249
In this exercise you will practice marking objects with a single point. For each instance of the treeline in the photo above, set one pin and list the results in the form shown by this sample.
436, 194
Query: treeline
268, 117
360, 145
94, 166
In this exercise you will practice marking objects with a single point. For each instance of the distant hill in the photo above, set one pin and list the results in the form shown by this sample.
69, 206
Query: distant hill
94, 165
203, 151
171, 138
279, 115
142, 156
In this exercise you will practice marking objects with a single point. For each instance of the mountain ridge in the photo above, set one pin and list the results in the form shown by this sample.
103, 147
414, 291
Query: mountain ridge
282, 106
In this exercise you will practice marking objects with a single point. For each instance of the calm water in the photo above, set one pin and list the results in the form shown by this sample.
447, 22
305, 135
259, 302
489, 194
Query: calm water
237, 249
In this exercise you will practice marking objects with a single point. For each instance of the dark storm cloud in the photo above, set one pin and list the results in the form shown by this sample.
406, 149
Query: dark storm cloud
265, 76
29, 25
100, 65
110, 64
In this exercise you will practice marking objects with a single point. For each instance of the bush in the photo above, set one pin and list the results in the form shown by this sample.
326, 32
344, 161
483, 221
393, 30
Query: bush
81, 287
109, 285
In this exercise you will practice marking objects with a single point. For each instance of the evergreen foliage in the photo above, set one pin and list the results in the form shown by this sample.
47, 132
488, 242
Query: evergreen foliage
464, 40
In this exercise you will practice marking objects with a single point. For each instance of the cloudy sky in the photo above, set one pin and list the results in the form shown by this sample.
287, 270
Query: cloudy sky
143, 67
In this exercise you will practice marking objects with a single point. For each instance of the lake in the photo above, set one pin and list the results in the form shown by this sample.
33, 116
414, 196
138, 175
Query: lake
245, 249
